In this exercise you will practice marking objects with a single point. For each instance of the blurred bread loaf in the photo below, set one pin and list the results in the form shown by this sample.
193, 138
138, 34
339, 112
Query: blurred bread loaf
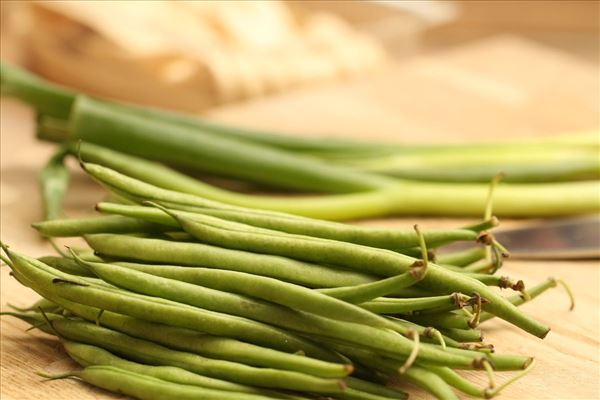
190, 55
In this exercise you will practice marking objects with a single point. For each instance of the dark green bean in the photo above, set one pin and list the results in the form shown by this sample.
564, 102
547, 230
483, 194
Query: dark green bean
54, 183
82, 226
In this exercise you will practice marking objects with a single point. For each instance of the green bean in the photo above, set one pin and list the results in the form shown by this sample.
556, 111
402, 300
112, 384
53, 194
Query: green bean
201, 255
215, 300
54, 183
500, 362
82, 226
87, 355
416, 375
369, 291
429, 381
149, 388
273, 290
533, 292
393, 239
67, 265
42, 304
457, 381
441, 320
384, 305
365, 259
158, 310
150, 353
379, 390
463, 335
461, 258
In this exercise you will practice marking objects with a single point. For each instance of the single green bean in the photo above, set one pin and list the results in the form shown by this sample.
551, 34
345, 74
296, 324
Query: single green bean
54, 183
461, 258
369, 291
42, 304
384, 305
441, 320
82, 226
463, 335
455, 380
533, 292
67, 265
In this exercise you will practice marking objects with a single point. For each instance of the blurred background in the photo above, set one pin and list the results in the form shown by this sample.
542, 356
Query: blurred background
196, 55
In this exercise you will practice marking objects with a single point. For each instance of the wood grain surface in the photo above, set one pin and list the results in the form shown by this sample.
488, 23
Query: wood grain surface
497, 88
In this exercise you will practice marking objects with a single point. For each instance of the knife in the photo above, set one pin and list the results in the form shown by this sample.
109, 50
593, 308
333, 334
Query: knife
555, 239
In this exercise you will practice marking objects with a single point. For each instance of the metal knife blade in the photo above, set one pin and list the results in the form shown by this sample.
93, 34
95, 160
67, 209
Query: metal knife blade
563, 239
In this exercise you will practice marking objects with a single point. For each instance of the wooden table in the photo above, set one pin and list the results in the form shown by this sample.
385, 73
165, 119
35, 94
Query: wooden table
498, 88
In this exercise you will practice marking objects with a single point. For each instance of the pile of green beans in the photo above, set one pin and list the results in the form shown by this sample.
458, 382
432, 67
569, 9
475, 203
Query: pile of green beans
204, 299
190, 291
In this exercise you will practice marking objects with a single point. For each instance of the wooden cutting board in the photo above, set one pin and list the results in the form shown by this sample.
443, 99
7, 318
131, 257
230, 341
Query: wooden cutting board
500, 87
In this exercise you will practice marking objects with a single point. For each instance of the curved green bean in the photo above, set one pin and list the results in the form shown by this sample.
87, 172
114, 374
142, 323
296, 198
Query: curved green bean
88, 355
369, 291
